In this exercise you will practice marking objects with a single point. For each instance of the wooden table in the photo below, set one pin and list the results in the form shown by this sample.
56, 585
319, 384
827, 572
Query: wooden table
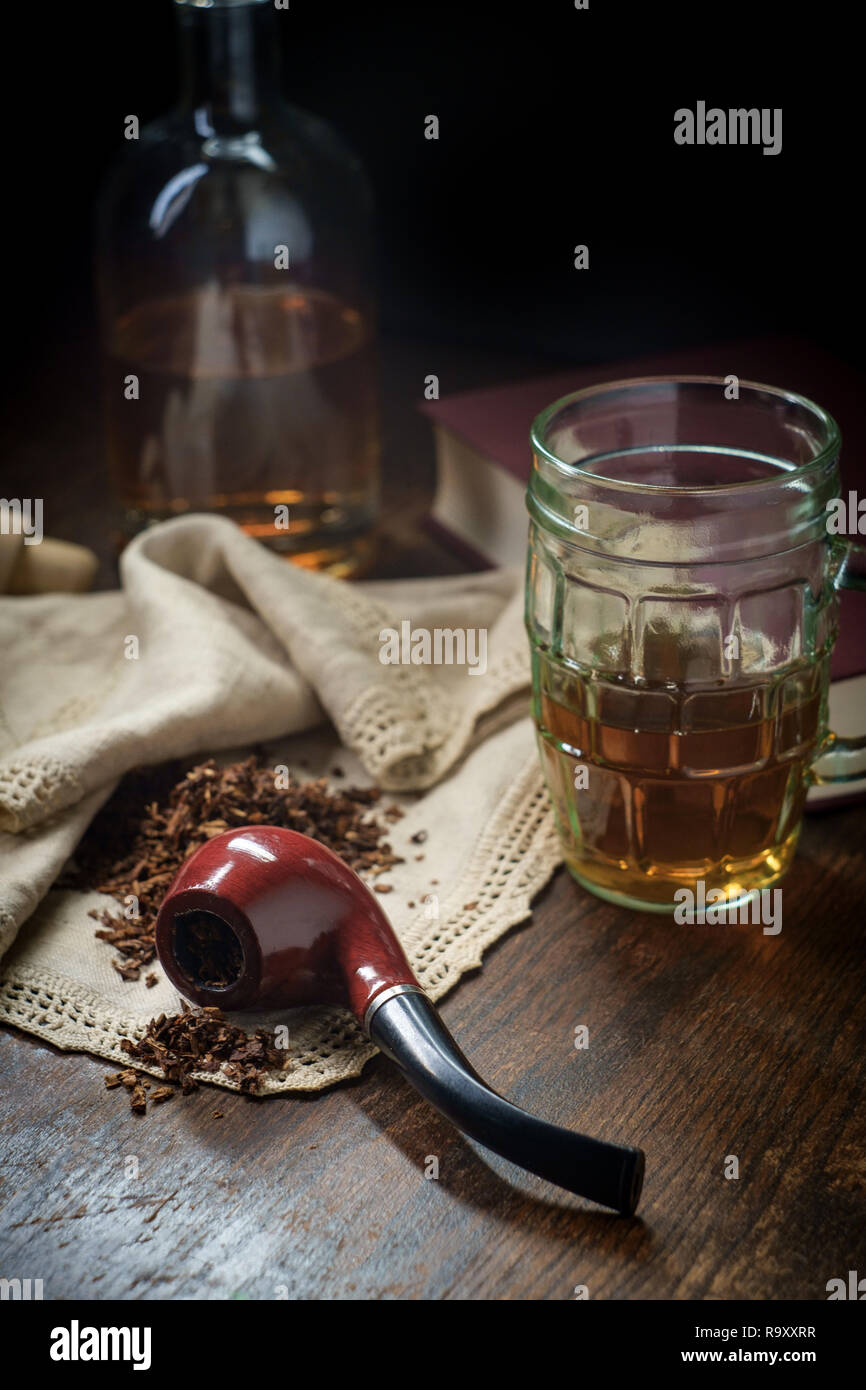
704, 1042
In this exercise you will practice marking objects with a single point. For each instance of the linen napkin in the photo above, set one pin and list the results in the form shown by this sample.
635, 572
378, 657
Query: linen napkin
213, 643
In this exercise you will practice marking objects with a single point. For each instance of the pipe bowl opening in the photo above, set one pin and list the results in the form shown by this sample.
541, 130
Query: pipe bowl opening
208, 951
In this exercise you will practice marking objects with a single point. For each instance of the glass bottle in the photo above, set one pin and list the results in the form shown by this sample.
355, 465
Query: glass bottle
233, 271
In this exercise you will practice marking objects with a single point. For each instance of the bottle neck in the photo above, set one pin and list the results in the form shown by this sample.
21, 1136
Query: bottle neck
229, 63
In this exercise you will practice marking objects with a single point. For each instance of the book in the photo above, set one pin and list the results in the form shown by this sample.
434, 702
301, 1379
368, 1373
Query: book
483, 459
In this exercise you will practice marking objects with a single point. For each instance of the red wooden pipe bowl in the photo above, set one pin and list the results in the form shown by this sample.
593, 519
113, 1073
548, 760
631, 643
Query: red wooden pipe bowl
309, 930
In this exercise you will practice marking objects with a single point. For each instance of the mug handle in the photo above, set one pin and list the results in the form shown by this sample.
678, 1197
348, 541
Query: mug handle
837, 747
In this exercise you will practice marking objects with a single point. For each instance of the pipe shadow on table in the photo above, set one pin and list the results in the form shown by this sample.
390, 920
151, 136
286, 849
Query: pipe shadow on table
475, 1176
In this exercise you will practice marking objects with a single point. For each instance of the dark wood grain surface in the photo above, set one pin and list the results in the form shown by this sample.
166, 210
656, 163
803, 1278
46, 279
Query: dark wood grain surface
704, 1042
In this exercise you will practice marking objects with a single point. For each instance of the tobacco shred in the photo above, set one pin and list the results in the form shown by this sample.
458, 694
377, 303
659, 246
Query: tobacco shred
155, 820
201, 1040
158, 817
213, 950
138, 1100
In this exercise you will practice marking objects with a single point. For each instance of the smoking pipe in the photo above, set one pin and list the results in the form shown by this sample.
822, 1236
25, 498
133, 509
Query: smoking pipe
265, 918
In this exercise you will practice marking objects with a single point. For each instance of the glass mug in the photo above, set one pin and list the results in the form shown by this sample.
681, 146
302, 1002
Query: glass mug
681, 603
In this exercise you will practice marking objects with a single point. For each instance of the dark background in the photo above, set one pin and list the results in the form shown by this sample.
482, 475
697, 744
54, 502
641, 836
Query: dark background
556, 128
